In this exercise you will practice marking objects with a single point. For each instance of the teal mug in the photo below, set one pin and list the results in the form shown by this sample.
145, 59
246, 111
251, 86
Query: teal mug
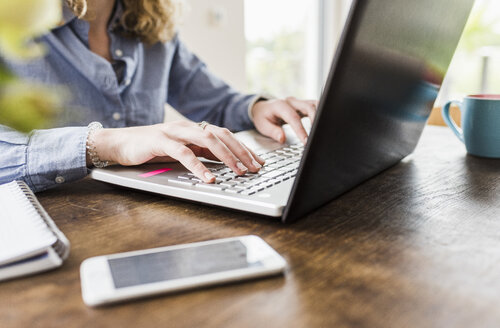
480, 130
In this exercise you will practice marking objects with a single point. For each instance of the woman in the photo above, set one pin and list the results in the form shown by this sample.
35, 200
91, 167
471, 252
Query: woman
122, 61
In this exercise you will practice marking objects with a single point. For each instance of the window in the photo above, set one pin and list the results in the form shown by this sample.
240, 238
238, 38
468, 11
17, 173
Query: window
290, 44
476, 64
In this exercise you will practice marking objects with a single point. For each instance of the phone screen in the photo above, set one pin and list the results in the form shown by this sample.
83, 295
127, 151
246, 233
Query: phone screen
180, 263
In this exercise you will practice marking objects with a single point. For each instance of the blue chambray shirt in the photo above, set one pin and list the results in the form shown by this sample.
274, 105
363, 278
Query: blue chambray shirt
133, 95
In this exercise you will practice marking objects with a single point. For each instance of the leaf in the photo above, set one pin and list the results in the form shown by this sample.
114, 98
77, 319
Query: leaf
5, 75
25, 106
23, 20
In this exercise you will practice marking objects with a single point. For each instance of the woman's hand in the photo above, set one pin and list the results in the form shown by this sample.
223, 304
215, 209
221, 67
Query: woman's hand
270, 115
181, 141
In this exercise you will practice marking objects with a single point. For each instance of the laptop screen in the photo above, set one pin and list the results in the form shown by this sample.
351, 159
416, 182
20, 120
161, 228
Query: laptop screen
383, 83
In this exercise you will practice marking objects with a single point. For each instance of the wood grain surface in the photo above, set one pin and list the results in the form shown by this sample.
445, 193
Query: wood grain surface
417, 246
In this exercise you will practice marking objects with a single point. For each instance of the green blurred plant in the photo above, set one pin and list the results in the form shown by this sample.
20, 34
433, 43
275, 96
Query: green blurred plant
273, 63
25, 106
481, 29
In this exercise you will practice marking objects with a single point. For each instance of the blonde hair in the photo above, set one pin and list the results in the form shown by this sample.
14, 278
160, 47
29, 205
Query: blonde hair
151, 20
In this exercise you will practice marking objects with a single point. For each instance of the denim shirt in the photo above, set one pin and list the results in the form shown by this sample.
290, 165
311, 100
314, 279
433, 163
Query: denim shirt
149, 76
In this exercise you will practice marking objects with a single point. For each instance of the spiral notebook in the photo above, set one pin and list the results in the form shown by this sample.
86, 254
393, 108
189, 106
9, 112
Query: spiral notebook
30, 242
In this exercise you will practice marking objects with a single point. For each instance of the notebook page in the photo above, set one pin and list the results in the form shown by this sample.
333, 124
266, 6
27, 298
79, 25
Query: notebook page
22, 231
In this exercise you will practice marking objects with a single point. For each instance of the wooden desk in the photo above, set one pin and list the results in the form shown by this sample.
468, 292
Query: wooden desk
417, 246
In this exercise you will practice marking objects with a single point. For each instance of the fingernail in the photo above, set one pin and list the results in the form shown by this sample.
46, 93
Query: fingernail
209, 176
257, 165
278, 137
305, 140
241, 166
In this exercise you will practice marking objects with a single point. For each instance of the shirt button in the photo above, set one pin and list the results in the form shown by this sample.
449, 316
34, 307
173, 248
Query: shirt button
118, 52
60, 179
117, 116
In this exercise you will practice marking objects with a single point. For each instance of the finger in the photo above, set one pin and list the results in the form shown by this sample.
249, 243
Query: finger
305, 107
272, 130
197, 150
314, 102
203, 152
235, 146
257, 157
290, 116
187, 158
207, 139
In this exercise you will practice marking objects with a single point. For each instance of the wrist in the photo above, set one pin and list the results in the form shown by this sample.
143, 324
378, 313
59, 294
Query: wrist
253, 104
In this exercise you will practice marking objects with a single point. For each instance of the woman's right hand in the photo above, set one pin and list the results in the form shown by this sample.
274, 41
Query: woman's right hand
181, 141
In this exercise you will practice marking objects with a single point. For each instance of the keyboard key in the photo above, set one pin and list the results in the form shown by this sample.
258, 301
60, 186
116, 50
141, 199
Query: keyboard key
229, 183
241, 179
267, 156
224, 178
252, 190
273, 174
259, 180
230, 175
182, 182
288, 168
267, 184
274, 181
251, 175
216, 169
206, 186
248, 192
234, 190
287, 161
272, 160
274, 166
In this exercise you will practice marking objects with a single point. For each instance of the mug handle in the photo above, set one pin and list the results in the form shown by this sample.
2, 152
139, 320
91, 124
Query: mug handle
449, 121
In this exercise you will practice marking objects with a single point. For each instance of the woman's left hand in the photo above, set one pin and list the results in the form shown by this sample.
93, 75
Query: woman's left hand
270, 115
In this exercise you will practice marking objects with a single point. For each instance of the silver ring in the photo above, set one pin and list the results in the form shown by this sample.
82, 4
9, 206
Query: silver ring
203, 124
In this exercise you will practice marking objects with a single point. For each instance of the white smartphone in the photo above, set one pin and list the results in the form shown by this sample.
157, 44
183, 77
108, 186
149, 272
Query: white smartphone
119, 277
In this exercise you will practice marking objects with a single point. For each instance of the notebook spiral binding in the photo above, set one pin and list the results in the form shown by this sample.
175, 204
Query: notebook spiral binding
61, 246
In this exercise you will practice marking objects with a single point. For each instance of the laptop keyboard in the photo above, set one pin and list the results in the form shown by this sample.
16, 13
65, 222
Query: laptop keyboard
281, 165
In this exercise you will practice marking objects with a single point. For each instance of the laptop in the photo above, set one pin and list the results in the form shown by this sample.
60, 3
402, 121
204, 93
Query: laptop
383, 82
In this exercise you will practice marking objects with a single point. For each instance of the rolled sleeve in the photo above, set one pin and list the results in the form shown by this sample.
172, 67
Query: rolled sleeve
44, 158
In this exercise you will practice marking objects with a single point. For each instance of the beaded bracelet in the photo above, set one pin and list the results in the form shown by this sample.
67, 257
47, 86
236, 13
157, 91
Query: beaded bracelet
94, 157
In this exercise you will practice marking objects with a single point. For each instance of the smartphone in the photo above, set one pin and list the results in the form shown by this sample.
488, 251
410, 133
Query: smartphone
119, 277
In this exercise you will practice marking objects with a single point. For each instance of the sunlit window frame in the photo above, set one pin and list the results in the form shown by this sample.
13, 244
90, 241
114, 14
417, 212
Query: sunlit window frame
331, 16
